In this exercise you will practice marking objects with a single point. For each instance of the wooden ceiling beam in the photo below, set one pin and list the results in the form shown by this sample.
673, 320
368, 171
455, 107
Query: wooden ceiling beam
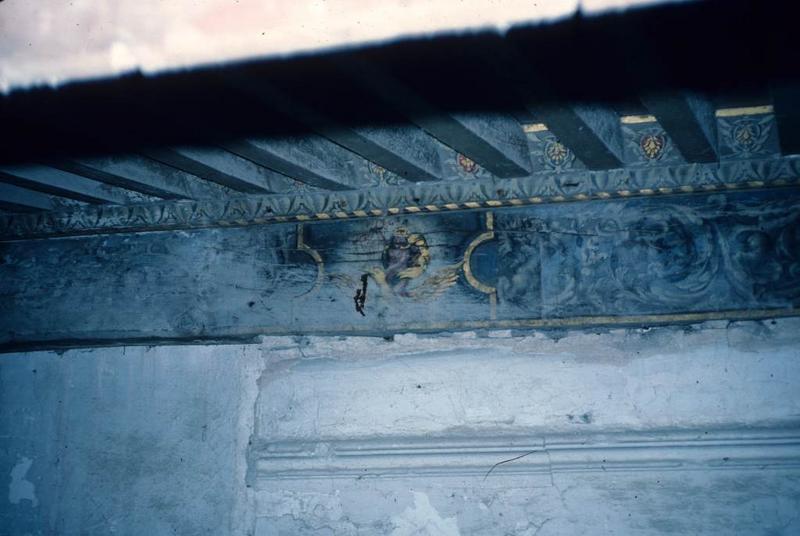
592, 133
310, 159
786, 104
16, 199
62, 183
132, 172
495, 141
222, 167
689, 121
402, 149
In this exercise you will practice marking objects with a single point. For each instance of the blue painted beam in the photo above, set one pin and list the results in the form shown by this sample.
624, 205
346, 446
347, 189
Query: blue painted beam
224, 168
16, 199
144, 175
690, 122
61, 183
593, 133
310, 159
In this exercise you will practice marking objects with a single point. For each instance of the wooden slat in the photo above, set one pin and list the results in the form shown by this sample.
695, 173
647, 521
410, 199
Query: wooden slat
62, 183
223, 167
689, 121
496, 141
310, 159
592, 133
141, 174
402, 149
16, 199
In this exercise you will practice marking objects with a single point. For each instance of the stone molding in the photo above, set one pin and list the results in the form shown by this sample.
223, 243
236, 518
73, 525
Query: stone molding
642, 451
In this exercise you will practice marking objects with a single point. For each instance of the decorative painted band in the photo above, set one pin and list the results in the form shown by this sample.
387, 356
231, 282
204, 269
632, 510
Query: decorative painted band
481, 457
418, 198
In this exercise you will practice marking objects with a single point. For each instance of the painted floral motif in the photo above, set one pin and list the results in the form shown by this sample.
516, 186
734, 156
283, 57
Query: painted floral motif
382, 176
466, 164
557, 155
652, 145
748, 136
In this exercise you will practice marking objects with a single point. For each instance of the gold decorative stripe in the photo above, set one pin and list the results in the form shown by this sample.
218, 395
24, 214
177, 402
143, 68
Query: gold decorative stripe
744, 110
637, 119
467, 266
314, 254
493, 203
534, 127
570, 322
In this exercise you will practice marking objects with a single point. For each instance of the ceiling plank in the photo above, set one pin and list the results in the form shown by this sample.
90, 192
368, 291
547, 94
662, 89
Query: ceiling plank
16, 199
592, 133
61, 183
689, 121
786, 103
222, 167
495, 141
310, 159
148, 176
402, 149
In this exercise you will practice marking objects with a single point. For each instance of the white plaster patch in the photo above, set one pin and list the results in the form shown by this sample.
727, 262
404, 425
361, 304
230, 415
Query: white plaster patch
424, 519
21, 489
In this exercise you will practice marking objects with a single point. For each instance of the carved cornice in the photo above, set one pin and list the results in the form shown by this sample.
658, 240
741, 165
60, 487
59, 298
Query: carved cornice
418, 198
659, 450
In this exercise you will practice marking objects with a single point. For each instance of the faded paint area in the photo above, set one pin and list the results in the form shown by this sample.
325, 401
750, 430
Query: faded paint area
423, 518
20, 489
471, 433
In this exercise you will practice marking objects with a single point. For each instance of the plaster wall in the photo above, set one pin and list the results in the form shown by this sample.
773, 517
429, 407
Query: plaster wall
691, 429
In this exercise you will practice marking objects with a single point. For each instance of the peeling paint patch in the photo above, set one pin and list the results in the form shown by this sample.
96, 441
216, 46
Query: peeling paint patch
20, 489
423, 518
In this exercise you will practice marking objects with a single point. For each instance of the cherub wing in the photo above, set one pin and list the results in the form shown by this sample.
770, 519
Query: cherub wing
437, 283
